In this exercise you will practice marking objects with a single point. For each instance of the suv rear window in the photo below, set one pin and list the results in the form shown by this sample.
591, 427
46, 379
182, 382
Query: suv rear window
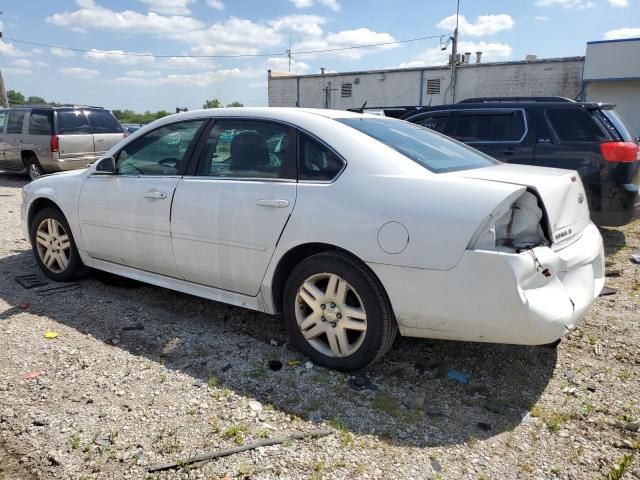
40, 122
103, 122
72, 122
433, 151
575, 125
435, 121
490, 126
14, 124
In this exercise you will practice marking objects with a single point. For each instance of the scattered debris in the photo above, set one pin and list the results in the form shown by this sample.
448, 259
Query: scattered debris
30, 281
24, 306
591, 388
255, 405
274, 342
242, 448
635, 259
613, 273
308, 365
33, 374
293, 363
606, 291
485, 427
226, 367
458, 376
49, 335
275, 365
436, 465
104, 439
570, 376
40, 422
360, 382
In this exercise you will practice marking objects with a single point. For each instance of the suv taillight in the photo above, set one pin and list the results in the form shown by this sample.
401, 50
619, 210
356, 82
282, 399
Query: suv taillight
55, 144
620, 151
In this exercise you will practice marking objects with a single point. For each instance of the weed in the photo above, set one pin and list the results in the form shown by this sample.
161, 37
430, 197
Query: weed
555, 421
213, 380
75, 440
235, 433
318, 466
345, 436
163, 378
244, 469
619, 469
385, 403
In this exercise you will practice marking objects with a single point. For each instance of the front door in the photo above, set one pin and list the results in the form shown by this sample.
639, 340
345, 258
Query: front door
227, 218
125, 218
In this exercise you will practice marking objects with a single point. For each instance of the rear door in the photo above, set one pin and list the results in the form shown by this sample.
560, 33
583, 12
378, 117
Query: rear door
107, 131
13, 139
74, 136
502, 133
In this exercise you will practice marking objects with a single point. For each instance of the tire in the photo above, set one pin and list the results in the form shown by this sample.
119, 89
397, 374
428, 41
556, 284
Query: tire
357, 317
34, 170
54, 266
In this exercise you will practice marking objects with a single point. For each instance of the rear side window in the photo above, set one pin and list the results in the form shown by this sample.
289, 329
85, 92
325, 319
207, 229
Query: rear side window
3, 119
103, 122
317, 162
437, 122
14, 124
615, 122
575, 125
40, 122
490, 127
72, 122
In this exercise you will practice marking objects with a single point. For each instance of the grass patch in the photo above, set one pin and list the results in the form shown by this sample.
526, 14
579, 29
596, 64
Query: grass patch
555, 421
235, 433
75, 440
620, 468
213, 380
385, 403
346, 439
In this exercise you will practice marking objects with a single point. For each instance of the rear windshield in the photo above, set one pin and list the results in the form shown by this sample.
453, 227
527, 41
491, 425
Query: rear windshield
103, 122
72, 122
433, 151
624, 130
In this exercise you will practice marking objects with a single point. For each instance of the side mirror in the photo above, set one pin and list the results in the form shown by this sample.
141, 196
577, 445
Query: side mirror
106, 166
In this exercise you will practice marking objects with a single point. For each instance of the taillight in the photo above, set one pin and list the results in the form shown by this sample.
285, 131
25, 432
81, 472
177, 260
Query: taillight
620, 151
55, 144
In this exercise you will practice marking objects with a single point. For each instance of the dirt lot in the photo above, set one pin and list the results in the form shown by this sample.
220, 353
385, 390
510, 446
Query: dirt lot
139, 375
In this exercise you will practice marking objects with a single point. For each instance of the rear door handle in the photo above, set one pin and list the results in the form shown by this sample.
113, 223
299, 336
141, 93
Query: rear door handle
155, 194
276, 203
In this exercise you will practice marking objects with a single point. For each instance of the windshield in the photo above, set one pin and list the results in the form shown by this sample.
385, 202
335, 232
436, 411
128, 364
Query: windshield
432, 150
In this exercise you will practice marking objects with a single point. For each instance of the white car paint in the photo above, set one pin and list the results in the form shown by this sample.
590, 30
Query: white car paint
218, 242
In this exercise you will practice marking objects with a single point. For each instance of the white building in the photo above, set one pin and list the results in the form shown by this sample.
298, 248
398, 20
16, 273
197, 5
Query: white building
612, 75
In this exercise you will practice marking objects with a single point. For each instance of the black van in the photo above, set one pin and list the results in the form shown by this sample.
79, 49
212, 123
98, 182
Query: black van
590, 138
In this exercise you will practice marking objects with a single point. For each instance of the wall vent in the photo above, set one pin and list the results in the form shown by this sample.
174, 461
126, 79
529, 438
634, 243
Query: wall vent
346, 89
433, 86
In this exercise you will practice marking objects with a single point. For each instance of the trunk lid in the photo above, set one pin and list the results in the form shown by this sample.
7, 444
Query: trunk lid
561, 192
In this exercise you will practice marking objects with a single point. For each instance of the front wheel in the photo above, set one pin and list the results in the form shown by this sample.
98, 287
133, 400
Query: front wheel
337, 312
53, 245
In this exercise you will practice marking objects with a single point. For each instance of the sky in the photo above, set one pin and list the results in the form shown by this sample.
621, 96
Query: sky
166, 32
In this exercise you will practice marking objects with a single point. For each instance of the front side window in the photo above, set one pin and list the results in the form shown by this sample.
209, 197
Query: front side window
433, 151
16, 118
575, 125
316, 161
72, 122
103, 122
489, 127
160, 152
247, 149
40, 122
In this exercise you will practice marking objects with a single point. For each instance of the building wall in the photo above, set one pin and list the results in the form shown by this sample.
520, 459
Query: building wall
610, 59
624, 94
409, 87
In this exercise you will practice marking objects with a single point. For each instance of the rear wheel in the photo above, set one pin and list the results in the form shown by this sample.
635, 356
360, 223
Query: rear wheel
34, 170
53, 245
337, 313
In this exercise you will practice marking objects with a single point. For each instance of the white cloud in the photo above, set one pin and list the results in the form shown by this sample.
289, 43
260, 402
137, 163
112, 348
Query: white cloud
262, 84
143, 73
119, 57
278, 64
619, 3
573, 4
622, 33
304, 24
10, 50
540, 18
491, 52
184, 62
201, 79
17, 71
169, 7
217, 4
346, 38
79, 72
22, 63
93, 16
61, 52
332, 4
484, 24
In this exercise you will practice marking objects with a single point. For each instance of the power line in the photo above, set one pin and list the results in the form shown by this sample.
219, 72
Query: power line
247, 55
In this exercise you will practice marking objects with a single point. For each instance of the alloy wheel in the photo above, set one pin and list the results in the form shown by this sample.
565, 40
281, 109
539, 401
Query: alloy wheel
54, 245
34, 171
331, 315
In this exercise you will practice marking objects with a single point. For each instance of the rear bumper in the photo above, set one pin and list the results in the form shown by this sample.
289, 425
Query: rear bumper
500, 297
63, 165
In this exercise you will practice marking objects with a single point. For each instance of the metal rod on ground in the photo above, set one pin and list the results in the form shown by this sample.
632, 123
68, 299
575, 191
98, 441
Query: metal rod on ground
230, 451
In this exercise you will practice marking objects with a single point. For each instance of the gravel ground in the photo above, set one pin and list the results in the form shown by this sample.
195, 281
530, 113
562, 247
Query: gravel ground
139, 375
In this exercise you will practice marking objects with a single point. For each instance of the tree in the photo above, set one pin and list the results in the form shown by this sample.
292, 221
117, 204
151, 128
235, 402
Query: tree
36, 101
214, 103
235, 104
15, 98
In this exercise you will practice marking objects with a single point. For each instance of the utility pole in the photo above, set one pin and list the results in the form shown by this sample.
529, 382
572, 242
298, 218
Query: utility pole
289, 53
454, 53
3, 93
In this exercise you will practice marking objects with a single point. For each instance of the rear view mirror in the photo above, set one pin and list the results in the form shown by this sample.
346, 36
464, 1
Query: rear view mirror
106, 166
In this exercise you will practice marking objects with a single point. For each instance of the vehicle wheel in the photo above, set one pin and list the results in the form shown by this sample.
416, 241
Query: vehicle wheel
53, 245
34, 170
337, 312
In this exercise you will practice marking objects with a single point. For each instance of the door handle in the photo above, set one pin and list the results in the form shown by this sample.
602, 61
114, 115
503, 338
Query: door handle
509, 151
155, 194
276, 203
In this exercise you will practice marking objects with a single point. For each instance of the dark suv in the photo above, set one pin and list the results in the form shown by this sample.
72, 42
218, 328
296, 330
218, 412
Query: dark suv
590, 138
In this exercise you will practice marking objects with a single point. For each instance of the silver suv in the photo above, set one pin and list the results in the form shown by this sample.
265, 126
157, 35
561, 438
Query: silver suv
43, 139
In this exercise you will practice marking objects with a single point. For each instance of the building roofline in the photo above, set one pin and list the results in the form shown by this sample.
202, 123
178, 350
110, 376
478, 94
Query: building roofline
281, 75
617, 40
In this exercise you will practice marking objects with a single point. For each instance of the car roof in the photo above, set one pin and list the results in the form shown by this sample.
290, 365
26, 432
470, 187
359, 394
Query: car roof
507, 104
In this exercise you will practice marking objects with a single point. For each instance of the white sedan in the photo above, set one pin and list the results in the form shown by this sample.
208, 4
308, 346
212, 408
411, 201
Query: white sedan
354, 227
